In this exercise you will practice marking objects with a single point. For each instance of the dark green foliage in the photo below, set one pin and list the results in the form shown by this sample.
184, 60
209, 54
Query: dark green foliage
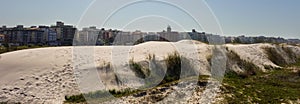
75, 98
138, 69
177, 67
120, 93
173, 62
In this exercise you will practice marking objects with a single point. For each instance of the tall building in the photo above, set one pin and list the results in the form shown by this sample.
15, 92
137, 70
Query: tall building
49, 36
23, 36
65, 33
88, 36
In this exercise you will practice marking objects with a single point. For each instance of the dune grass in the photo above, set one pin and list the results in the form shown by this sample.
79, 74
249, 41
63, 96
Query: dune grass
275, 87
172, 75
138, 69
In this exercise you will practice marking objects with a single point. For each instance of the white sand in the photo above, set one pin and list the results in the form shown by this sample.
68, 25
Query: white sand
46, 75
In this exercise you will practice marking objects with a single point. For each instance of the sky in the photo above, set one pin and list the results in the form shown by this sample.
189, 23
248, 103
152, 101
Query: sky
277, 18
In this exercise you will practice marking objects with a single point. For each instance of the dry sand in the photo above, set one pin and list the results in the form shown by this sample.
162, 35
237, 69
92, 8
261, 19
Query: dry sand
46, 75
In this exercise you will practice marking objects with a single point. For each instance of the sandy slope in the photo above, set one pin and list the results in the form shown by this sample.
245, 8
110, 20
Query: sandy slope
36, 75
46, 75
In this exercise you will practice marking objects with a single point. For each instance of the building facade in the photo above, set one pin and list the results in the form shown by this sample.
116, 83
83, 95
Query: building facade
65, 33
2, 39
23, 36
88, 36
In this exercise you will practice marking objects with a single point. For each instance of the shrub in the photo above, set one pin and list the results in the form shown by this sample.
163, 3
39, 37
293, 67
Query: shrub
120, 93
75, 98
138, 69
173, 62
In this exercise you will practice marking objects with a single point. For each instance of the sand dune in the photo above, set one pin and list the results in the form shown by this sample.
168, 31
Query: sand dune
46, 75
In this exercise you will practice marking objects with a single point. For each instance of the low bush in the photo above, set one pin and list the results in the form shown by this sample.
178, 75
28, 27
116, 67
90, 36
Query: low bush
173, 62
177, 67
138, 69
123, 92
75, 98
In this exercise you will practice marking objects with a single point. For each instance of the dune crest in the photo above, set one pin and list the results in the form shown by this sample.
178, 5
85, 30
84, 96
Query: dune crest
46, 75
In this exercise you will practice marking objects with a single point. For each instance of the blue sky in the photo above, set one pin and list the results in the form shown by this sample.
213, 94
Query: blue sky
236, 17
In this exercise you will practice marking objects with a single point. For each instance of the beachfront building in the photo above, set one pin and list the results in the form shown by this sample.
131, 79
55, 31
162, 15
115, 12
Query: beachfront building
169, 35
23, 36
65, 33
49, 36
123, 38
200, 36
2, 39
151, 36
88, 36
108, 37
130, 38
